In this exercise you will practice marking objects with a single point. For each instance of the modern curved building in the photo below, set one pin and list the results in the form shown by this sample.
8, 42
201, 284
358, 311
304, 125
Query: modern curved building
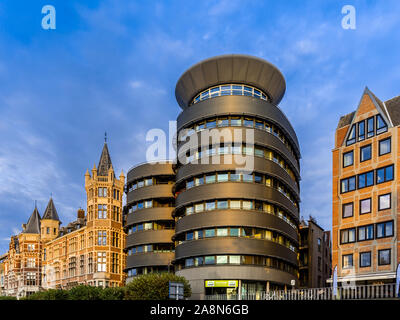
149, 223
236, 231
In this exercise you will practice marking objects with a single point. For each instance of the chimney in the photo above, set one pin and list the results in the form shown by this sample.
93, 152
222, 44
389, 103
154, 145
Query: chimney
81, 213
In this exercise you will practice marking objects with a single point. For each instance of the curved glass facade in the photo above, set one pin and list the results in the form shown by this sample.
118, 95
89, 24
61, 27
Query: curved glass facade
231, 223
149, 223
230, 90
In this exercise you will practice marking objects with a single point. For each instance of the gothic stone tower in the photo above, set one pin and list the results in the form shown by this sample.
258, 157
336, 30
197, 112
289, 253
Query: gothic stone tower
104, 220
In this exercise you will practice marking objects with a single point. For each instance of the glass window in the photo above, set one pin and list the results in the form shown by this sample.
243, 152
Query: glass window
198, 234
148, 182
352, 136
348, 158
222, 204
365, 206
209, 233
384, 229
189, 236
259, 152
380, 124
248, 123
189, 210
370, 127
365, 259
236, 150
366, 233
211, 124
222, 259
189, 184
209, 260
347, 261
384, 201
234, 259
384, 174
199, 207
210, 205
235, 177
223, 122
210, 179
259, 124
347, 236
366, 179
236, 122
365, 153
348, 184
189, 262
247, 178
361, 130
384, 146
257, 178
198, 181
347, 210
222, 232
140, 184
235, 204
384, 257
148, 203
247, 205
198, 261
222, 177
234, 232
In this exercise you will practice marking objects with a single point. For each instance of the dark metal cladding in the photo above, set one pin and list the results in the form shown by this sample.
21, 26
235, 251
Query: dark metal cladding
256, 72
156, 214
232, 68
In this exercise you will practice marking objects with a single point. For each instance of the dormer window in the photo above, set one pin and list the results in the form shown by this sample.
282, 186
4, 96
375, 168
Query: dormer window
370, 127
381, 125
352, 136
361, 131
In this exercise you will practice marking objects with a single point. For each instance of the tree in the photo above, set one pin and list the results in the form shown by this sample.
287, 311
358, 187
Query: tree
83, 292
154, 286
117, 293
51, 294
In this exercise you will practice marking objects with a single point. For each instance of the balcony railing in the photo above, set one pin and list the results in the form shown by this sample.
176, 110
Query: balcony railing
366, 292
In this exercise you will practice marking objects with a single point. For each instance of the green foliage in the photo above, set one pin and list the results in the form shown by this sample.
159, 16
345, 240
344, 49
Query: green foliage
117, 293
83, 292
51, 294
154, 286
7, 298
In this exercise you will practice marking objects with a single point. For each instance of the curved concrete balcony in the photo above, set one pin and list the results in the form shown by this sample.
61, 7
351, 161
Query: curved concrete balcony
261, 165
261, 138
234, 246
150, 192
149, 169
149, 259
240, 218
236, 190
149, 214
238, 105
149, 237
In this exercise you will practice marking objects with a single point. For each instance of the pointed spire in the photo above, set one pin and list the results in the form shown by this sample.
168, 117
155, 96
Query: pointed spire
51, 212
33, 225
105, 161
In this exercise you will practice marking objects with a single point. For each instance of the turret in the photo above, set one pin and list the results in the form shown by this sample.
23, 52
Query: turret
50, 223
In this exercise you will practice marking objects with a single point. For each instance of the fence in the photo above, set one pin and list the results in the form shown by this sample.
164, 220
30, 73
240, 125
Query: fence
382, 291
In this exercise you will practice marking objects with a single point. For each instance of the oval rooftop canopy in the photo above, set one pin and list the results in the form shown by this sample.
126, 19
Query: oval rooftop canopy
232, 68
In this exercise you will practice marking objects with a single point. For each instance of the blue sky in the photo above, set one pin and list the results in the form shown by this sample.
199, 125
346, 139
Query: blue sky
112, 66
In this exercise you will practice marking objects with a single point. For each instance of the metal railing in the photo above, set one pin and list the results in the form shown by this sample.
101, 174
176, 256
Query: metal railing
382, 291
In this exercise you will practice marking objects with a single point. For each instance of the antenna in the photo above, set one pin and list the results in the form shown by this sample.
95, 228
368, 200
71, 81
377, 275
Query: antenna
105, 137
